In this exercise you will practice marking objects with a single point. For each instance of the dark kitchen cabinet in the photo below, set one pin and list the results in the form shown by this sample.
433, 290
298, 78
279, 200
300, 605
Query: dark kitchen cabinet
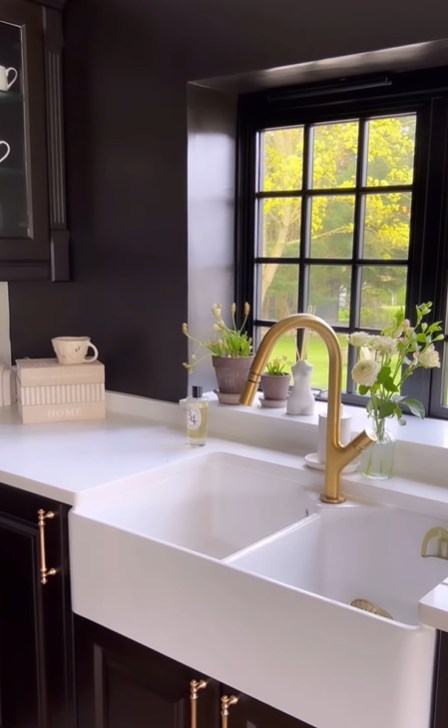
121, 684
440, 693
251, 713
33, 226
36, 670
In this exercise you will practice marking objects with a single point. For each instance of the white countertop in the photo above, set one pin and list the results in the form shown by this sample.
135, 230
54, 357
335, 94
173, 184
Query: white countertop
74, 462
67, 460
63, 461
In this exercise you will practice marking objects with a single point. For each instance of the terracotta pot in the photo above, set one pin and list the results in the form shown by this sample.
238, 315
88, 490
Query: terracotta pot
231, 374
275, 387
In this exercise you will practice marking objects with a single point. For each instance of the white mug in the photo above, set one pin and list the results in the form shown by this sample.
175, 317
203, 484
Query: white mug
73, 349
5, 84
8, 149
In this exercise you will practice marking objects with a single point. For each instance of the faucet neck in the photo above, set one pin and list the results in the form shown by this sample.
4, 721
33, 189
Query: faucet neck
337, 456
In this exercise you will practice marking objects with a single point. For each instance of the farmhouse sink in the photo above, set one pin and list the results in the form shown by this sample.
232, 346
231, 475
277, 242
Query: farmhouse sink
231, 565
367, 553
214, 504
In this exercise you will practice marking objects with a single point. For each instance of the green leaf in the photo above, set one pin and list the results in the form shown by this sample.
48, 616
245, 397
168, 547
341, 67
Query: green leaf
421, 338
414, 406
386, 408
384, 378
362, 389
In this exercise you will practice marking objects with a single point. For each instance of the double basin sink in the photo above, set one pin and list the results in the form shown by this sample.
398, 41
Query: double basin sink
233, 566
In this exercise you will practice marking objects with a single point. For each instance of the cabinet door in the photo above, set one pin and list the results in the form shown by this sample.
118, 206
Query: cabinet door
251, 713
35, 668
122, 684
32, 204
440, 694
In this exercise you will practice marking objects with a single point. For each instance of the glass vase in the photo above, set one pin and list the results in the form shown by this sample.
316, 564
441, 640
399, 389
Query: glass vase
377, 461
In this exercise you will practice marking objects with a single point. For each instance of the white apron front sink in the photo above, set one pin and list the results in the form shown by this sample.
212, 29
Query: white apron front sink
214, 503
216, 564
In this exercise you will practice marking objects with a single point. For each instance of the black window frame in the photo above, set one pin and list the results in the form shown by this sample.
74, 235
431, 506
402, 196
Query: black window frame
424, 92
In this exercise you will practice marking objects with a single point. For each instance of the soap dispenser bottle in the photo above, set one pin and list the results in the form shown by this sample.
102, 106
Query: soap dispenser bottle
197, 417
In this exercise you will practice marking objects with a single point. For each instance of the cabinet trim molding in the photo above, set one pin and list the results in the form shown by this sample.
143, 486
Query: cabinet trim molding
59, 234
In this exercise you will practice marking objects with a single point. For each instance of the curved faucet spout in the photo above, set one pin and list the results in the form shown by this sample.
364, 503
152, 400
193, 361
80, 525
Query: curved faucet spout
337, 455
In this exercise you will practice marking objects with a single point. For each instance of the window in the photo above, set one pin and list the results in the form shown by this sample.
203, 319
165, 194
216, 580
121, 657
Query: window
344, 213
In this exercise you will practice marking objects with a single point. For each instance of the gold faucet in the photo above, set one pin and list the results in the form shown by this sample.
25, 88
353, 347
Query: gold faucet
337, 455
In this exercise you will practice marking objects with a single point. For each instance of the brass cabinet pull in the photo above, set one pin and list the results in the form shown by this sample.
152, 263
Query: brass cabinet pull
44, 572
226, 702
195, 686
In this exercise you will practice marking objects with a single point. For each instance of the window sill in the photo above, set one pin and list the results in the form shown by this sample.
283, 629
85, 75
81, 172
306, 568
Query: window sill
420, 447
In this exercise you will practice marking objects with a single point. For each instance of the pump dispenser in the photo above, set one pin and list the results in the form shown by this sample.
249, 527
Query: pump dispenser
197, 417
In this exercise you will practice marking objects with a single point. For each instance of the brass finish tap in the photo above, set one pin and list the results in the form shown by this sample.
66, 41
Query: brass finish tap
337, 455
441, 534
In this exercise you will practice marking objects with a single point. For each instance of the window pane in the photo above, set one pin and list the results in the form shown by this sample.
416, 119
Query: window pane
335, 150
317, 356
285, 348
277, 290
282, 159
279, 225
14, 203
391, 150
329, 292
332, 219
383, 292
445, 376
387, 226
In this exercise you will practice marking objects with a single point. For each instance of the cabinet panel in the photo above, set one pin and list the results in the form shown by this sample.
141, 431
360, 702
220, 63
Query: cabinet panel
440, 700
251, 713
21, 610
120, 683
36, 671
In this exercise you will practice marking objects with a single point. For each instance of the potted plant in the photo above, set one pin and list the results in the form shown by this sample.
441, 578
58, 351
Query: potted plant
275, 383
231, 352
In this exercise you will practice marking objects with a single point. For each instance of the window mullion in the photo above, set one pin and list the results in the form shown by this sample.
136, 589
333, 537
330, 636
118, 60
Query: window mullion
305, 232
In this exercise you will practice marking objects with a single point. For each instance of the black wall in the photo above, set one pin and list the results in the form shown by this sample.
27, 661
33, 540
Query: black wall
127, 63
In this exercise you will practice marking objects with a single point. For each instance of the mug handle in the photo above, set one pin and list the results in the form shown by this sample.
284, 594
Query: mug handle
8, 149
95, 353
8, 70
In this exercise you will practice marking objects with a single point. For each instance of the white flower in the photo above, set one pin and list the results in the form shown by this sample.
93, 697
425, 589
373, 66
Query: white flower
428, 359
384, 344
407, 325
365, 372
217, 312
359, 338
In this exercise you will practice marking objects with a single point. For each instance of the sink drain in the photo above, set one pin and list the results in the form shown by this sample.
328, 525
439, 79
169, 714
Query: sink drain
370, 607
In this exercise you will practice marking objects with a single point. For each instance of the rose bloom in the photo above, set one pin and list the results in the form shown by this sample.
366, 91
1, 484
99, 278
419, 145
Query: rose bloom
383, 344
429, 358
360, 338
365, 372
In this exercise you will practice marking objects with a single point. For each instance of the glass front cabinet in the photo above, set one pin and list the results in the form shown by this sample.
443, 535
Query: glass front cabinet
33, 228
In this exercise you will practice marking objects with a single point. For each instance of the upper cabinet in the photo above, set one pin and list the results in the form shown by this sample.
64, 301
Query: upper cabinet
33, 227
